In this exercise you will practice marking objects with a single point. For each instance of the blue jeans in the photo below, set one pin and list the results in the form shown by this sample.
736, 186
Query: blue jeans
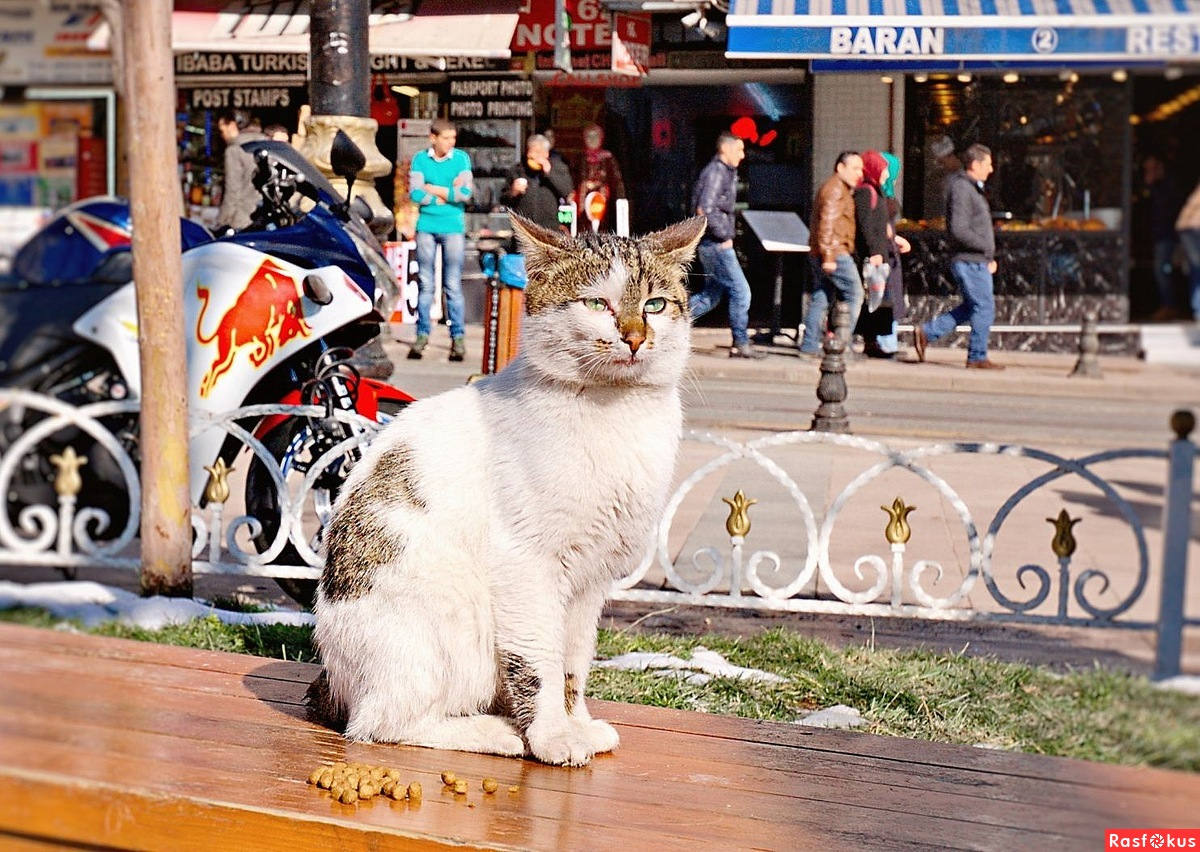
723, 276
453, 246
978, 308
1190, 238
1163, 270
843, 284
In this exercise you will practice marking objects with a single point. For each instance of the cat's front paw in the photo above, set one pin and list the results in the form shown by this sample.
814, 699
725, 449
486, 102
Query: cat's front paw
602, 736
560, 742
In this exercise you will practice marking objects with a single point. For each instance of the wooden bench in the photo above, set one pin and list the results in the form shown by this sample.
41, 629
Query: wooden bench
127, 744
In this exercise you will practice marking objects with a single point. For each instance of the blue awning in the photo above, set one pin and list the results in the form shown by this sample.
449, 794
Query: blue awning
986, 30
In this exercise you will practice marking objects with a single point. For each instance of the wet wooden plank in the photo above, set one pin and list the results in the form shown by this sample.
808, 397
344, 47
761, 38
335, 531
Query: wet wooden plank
201, 743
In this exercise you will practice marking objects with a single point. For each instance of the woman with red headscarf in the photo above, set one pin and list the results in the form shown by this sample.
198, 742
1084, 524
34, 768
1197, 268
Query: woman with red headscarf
600, 175
873, 245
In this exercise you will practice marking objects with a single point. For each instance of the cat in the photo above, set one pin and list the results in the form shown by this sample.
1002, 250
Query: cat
470, 550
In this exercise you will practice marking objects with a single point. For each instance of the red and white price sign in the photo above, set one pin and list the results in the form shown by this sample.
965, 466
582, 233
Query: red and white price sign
630, 44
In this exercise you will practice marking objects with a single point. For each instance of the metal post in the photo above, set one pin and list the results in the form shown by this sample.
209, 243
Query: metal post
158, 275
1088, 364
339, 89
830, 416
1177, 524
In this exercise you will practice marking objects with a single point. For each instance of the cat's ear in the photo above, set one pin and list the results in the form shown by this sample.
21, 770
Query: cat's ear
678, 242
539, 245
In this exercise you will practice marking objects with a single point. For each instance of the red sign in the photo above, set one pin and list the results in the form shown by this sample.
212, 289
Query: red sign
591, 26
630, 44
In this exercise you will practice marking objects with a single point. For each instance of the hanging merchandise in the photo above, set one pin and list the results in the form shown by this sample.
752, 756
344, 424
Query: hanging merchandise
383, 106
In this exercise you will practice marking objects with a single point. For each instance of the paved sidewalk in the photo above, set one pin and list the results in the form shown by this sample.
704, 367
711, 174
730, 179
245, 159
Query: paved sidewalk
1028, 373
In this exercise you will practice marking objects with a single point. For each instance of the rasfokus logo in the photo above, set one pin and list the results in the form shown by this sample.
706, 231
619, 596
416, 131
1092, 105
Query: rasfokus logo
1152, 838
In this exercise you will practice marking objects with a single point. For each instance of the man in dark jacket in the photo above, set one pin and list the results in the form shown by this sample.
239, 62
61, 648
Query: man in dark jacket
833, 231
538, 184
973, 241
714, 196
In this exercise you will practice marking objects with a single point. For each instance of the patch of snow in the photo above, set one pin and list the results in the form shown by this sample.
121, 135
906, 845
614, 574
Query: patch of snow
838, 716
704, 661
94, 603
1187, 684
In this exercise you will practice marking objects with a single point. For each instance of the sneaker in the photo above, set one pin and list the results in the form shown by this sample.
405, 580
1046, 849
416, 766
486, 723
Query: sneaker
458, 349
984, 364
417, 351
746, 351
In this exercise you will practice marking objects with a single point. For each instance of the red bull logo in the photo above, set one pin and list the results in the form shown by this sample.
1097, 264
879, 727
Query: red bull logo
266, 315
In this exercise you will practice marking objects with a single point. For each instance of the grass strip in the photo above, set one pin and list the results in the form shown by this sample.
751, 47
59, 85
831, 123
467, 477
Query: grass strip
1093, 713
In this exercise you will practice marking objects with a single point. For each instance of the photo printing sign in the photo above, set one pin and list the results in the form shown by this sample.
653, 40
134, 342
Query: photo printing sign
491, 97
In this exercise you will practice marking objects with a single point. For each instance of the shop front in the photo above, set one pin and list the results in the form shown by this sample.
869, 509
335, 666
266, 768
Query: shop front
1051, 95
57, 116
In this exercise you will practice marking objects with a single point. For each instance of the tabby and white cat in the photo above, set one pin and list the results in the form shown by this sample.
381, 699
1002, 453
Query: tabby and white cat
471, 548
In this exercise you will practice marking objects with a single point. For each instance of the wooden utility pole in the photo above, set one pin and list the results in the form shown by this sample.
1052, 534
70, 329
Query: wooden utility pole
156, 205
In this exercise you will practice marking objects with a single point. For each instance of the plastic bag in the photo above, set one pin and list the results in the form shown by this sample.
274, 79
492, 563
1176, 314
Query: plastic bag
875, 279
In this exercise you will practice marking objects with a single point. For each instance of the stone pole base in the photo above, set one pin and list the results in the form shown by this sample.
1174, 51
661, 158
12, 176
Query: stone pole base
318, 139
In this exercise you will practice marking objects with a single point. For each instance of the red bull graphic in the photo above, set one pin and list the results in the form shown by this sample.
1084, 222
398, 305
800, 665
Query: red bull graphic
265, 316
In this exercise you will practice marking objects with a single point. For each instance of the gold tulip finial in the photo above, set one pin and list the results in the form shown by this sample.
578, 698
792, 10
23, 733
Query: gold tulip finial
1063, 543
217, 489
897, 530
738, 522
67, 482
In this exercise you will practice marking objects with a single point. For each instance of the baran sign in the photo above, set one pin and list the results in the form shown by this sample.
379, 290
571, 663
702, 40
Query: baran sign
887, 41
1152, 41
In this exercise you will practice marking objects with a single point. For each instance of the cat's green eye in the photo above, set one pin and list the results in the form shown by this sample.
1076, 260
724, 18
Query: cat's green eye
595, 304
655, 306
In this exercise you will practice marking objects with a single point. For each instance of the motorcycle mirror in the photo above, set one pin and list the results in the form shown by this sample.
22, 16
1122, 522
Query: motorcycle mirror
360, 206
345, 158
317, 290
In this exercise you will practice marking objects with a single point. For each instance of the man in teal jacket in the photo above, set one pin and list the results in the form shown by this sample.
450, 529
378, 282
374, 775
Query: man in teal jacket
440, 182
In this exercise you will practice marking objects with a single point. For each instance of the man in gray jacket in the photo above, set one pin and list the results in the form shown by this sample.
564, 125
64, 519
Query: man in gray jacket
239, 199
714, 196
973, 241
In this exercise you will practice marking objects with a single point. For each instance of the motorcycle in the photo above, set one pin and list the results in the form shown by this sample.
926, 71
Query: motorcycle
272, 314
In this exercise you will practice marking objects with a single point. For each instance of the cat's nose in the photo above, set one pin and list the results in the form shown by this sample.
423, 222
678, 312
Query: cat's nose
635, 339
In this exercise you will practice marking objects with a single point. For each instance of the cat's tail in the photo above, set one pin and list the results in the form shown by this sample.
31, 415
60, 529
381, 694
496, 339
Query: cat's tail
322, 707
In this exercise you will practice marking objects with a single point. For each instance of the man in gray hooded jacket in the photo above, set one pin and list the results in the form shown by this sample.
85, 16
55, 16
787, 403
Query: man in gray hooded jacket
973, 241
714, 196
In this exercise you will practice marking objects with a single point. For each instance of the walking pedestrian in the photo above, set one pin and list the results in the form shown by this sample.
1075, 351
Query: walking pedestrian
1188, 228
973, 241
239, 198
873, 247
886, 343
835, 277
1163, 203
713, 196
440, 182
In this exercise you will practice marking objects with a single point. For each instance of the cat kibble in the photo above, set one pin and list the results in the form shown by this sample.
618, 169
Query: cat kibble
514, 788
368, 791
348, 796
325, 780
414, 791
315, 775
460, 787
490, 785
448, 778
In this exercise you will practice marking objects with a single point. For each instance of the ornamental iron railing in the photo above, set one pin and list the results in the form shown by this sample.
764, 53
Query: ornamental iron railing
266, 520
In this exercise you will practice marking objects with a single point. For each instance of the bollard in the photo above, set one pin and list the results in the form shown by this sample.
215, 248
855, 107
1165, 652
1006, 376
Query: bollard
1177, 525
1088, 364
830, 416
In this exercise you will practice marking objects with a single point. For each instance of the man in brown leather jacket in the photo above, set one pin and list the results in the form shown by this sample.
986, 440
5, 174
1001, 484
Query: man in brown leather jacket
834, 273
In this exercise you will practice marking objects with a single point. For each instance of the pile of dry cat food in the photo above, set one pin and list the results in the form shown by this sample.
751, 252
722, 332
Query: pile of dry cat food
351, 782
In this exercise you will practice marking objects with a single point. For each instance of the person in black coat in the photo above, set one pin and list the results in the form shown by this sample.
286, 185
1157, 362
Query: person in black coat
538, 184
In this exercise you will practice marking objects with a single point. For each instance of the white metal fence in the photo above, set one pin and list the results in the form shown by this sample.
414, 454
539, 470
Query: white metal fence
72, 528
